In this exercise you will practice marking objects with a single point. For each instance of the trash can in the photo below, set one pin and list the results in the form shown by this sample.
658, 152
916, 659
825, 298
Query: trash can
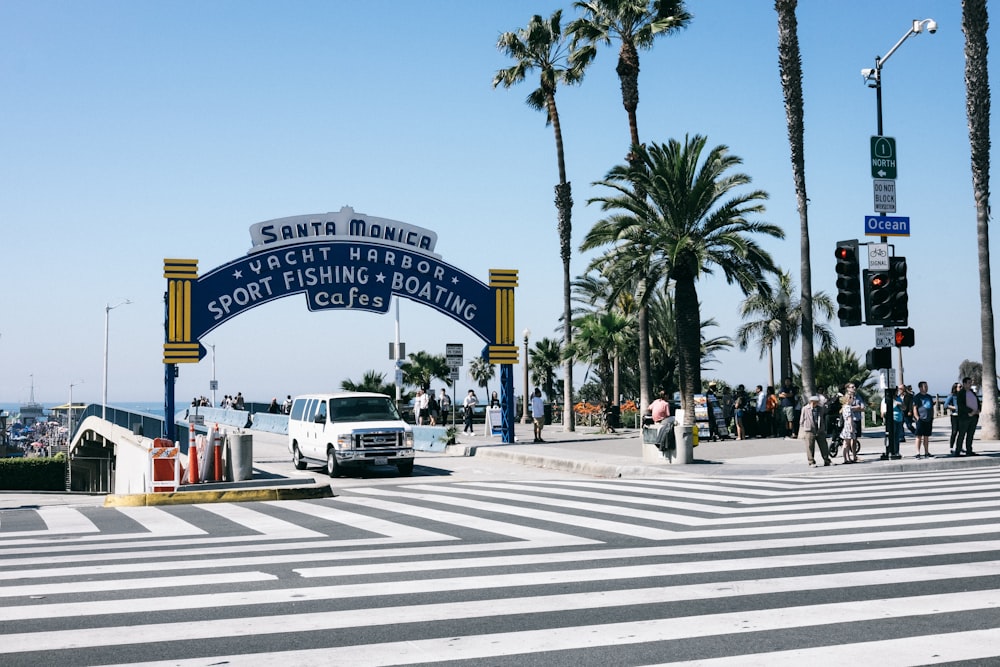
685, 442
239, 457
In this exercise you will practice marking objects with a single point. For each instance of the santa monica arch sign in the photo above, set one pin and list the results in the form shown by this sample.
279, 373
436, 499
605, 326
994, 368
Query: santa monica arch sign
337, 261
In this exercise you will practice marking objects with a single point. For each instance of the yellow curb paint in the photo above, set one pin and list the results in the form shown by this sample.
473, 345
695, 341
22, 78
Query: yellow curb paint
229, 496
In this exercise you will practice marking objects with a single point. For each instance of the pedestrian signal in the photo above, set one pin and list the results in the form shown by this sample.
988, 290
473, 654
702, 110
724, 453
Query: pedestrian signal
904, 337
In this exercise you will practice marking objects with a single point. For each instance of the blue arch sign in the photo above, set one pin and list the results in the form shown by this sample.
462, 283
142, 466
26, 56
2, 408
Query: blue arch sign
337, 261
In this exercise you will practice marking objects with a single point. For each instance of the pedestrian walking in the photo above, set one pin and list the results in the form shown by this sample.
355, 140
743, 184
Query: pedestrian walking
538, 414
812, 427
468, 405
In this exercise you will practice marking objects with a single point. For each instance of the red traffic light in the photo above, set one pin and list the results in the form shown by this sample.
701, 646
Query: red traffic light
845, 253
880, 280
904, 337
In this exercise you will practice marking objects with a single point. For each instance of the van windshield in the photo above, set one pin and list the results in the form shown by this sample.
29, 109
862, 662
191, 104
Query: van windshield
363, 409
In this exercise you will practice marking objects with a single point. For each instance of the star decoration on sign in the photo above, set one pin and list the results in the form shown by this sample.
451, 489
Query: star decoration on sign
237, 274
454, 280
380, 277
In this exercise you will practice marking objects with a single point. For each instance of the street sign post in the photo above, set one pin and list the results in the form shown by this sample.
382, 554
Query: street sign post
885, 336
885, 195
453, 356
883, 157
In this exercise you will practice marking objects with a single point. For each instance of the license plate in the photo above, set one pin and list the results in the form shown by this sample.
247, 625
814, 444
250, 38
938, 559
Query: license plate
381, 461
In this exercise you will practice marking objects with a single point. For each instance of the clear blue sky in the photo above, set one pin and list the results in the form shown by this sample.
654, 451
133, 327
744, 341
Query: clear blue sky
132, 132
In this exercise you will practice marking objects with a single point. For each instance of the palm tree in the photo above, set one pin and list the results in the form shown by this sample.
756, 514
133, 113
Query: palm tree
372, 381
836, 367
422, 368
635, 24
546, 356
481, 372
543, 46
688, 221
975, 21
790, 68
599, 336
604, 288
780, 316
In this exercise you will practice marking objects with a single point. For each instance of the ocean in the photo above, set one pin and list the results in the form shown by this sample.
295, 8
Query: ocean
152, 408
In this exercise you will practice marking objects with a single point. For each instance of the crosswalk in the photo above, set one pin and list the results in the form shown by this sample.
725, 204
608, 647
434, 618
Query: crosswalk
895, 569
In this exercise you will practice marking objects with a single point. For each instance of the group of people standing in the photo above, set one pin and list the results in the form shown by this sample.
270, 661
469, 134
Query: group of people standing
909, 411
760, 413
430, 410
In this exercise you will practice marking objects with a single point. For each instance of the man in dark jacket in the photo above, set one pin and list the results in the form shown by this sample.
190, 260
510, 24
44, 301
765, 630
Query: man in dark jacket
968, 417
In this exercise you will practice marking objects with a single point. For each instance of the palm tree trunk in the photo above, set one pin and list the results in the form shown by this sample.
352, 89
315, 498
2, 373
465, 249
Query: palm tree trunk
785, 351
645, 393
564, 209
790, 67
687, 316
975, 21
770, 364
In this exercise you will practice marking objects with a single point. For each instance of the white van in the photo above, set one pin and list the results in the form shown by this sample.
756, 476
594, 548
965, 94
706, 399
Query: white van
349, 429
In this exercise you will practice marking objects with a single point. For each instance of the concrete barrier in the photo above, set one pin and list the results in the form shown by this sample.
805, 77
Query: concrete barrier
430, 438
265, 421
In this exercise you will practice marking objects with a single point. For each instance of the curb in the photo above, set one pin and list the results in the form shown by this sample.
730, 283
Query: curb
592, 468
230, 496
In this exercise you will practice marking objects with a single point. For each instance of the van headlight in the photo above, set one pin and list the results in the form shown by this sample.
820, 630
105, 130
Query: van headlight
344, 441
408, 439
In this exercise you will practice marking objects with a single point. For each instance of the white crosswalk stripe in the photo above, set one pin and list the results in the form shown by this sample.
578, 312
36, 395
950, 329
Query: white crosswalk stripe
898, 570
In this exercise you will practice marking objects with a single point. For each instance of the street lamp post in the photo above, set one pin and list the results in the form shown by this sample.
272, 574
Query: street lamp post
524, 408
69, 415
104, 392
215, 383
874, 79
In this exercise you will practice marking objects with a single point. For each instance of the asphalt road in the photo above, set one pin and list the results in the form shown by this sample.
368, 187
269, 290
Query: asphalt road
888, 569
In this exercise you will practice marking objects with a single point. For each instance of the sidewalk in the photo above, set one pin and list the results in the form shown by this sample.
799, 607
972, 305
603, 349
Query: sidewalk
613, 455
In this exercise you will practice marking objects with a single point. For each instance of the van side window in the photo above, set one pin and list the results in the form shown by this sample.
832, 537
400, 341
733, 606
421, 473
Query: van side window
298, 407
321, 412
310, 410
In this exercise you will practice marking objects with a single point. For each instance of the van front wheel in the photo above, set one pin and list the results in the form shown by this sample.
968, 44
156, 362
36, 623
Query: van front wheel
332, 468
297, 459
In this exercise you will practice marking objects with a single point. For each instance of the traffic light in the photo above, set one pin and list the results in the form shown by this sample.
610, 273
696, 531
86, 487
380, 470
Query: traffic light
879, 297
904, 337
848, 284
878, 358
897, 283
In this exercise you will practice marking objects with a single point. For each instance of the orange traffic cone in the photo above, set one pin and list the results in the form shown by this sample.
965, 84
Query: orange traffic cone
192, 460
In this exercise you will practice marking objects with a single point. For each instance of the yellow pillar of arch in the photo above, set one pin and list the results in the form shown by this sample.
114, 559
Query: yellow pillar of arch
504, 349
178, 348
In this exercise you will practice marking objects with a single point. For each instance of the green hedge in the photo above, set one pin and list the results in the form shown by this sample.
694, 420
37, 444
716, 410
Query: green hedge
34, 474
